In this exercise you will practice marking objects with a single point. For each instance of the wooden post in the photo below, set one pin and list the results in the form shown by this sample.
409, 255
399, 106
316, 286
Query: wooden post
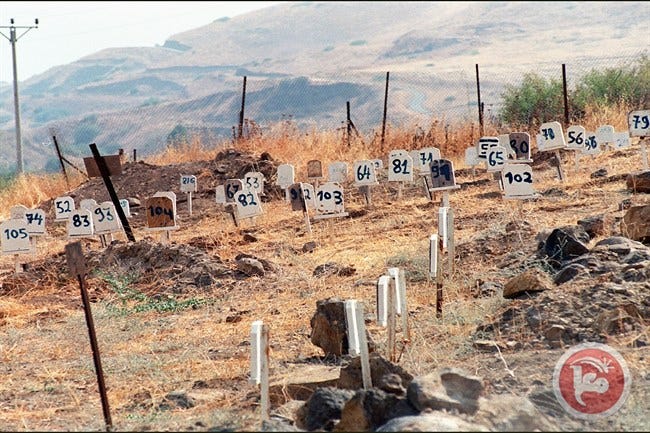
560, 171
349, 122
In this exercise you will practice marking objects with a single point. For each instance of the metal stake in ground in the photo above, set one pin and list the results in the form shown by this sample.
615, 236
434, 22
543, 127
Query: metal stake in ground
260, 364
103, 169
77, 268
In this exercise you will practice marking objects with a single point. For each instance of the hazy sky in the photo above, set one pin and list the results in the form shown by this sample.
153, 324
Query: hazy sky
70, 30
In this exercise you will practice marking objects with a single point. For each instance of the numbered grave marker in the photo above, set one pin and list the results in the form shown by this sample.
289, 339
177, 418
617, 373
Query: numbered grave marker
575, 136
504, 141
550, 137
622, 140
105, 220
126, 207
520, 144
15, 237
314, 170
517, 181
364, 173
254, 181
17, 212
88, 204
232, 186
35, 222
188, 183
296, 193
592, 145
496, 158
484, 143
638, 122
400, 166
330, 201
309, 194
63, 207
337, 171
423, 157
248, 204
605, 135
161, 213
80, 224
379, 165
442, 175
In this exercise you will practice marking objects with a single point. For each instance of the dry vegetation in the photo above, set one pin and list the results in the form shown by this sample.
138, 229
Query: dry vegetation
46, 364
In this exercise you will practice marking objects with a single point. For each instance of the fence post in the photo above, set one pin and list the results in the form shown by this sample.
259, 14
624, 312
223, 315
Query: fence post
566, 99
480, 105
241, 112
58, 152
349, 122
383, 123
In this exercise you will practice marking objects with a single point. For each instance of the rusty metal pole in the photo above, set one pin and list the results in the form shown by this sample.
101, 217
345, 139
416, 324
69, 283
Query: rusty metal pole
349, 121
58, 152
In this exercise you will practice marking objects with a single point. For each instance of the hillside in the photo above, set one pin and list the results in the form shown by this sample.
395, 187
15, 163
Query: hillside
305, 60
173, 319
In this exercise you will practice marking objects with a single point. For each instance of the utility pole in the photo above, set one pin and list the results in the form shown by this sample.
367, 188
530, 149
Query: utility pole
13, 39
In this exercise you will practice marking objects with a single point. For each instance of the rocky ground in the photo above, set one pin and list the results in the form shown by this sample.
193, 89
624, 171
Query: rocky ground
531, 279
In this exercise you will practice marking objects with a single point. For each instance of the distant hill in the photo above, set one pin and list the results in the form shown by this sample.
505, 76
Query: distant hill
304, 61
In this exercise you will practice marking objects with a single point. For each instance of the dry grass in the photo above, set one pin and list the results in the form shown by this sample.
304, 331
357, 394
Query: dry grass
48, 376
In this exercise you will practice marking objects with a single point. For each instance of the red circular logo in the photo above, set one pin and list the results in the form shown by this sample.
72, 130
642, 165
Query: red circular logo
591, 380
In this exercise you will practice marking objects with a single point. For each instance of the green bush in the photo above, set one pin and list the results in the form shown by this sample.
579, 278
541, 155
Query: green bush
537, 100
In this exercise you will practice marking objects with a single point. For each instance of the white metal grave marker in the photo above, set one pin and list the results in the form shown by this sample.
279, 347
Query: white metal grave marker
364, 173
552, 137
105, 221
520, 143
400, 166
285, 178
517, 181
232, 186
63, 207
605, 135
35, 222
297, 192
126, 207
248, 204
575, 137
254, 181
592, 145
433, 256
382, 300
484, 143
161, 214
379, 164
330, 201
423, 157
80, 224
309, 194
357, 341
315, 171
188, 186
471, 157
88, 204
337, 171
15, 237
17, 212
638, 122
639, 126
621, 140
260, 364
220, 194
496, 158
442, 175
